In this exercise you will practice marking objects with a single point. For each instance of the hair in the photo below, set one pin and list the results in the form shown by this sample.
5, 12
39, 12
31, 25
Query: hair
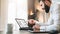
44, 0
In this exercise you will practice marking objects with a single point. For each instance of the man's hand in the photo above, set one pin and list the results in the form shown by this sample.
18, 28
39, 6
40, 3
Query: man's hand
31, 21
36, 28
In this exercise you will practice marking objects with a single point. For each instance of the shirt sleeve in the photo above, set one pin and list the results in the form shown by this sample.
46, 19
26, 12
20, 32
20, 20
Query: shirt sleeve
47, 25
48, 28
53, 26
50, 21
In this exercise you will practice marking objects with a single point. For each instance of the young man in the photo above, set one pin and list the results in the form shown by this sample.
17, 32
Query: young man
53, 22
44, 5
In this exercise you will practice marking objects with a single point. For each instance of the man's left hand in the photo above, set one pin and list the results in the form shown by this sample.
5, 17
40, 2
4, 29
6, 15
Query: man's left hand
37, 27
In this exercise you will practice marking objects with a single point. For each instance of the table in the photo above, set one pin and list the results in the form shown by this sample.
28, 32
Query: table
25, 32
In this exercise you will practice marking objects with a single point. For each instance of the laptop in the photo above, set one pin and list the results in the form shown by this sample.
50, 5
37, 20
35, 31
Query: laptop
22, 24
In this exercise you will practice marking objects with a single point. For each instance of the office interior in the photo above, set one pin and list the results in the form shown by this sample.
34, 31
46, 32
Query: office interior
21, 9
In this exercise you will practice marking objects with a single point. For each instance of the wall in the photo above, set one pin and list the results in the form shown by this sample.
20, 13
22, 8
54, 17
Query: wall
3, 15
17, 9
22, 9
31, 4
0, 11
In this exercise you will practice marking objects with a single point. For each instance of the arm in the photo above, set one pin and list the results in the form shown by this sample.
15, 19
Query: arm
53, 26
45, 24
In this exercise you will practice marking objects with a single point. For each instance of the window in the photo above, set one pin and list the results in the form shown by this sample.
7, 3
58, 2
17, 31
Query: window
17, 9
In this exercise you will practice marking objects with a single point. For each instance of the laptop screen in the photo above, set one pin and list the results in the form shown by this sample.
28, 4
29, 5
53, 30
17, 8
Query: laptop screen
21, 23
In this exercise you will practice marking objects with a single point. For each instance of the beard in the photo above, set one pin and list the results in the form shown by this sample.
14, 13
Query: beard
47, 8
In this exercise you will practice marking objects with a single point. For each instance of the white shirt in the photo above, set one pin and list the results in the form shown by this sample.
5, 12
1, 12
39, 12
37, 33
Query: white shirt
54, 20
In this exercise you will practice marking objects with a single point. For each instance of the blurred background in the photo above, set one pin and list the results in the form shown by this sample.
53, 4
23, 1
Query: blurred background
24, 9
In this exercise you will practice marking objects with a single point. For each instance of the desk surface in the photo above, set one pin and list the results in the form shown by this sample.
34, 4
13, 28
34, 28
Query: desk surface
25, 32
21, 32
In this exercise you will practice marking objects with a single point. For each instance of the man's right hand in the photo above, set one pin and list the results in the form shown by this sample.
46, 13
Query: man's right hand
31, 21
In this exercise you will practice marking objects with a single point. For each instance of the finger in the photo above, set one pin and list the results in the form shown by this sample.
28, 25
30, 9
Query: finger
33, 27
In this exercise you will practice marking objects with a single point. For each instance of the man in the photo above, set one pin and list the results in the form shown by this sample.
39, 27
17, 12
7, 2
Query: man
53, 22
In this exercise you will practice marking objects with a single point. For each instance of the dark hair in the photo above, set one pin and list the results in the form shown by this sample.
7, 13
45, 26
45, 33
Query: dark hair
47, 8
44, 0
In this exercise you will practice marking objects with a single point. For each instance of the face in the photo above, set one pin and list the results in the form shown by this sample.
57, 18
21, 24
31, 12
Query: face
44, 5
41, 4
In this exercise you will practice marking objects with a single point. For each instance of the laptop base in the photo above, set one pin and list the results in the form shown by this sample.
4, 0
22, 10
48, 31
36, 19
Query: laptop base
26, 28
